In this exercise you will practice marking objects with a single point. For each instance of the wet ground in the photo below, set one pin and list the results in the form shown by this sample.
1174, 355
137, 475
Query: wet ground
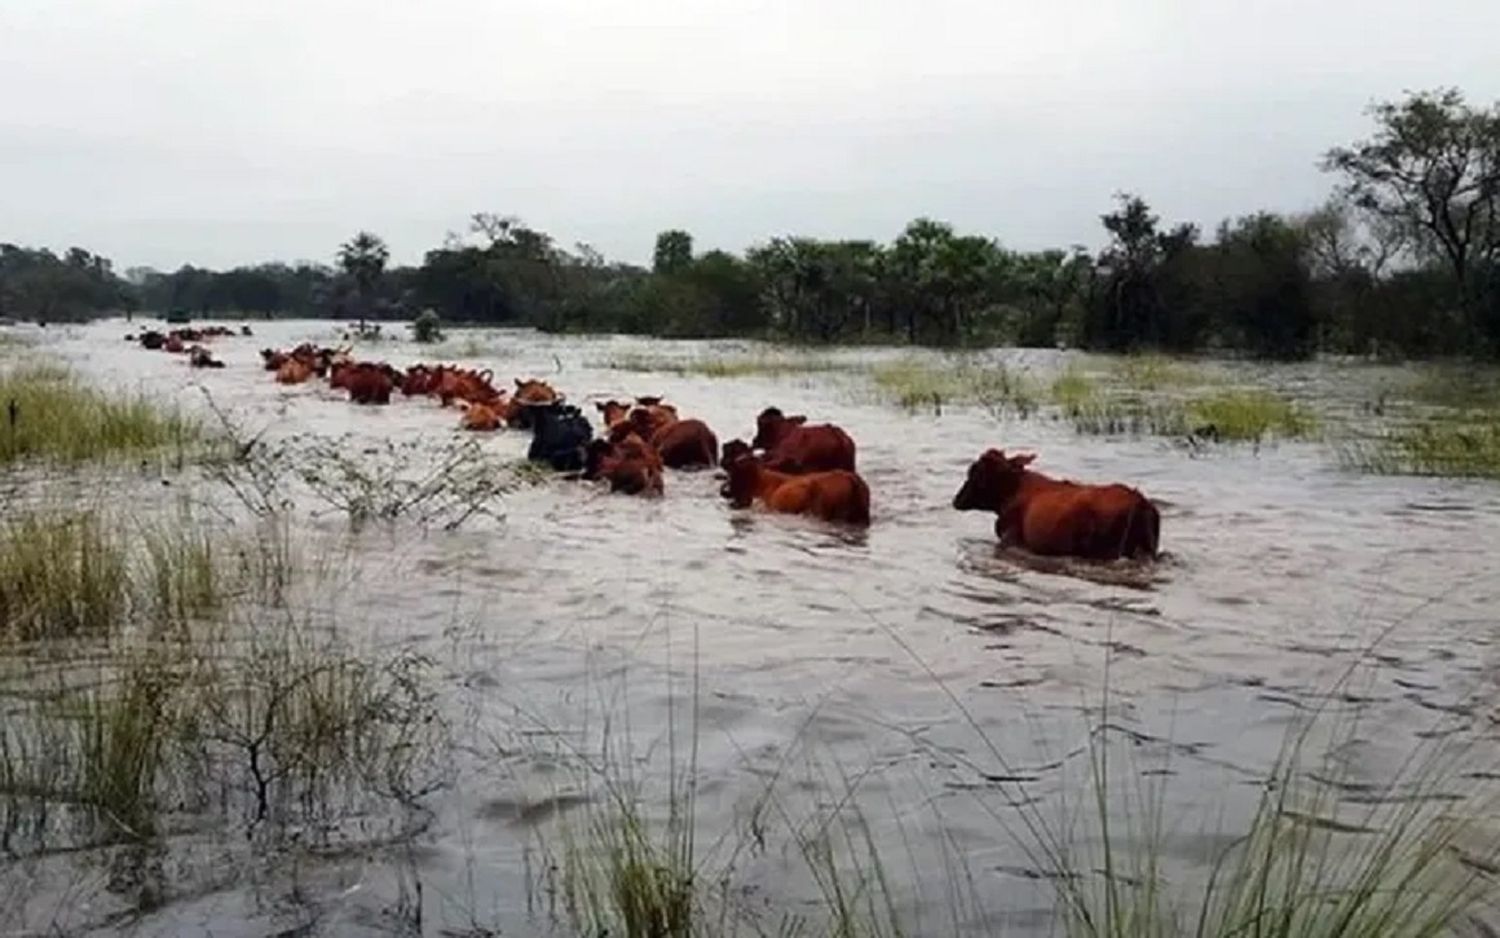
914, 663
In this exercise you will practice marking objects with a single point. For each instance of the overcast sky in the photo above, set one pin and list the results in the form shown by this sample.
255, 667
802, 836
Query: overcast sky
221, 132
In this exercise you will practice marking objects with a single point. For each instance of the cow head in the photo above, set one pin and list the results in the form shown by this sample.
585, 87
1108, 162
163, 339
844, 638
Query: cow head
533, 391
993, 481
744, 472
613, 412
733, 450
772, 425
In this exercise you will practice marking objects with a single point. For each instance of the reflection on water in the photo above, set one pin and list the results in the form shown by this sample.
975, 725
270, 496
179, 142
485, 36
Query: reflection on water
784, 636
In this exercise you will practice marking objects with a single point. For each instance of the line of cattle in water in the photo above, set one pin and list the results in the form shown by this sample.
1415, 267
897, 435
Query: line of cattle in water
789, 466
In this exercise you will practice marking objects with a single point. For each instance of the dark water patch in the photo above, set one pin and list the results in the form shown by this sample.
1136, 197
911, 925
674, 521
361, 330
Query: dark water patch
524, 813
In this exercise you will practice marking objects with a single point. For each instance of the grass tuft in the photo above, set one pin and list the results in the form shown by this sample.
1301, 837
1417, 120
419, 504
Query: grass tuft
762, 365
1249, 416
1153, 372
1466, 388
46, 414
915, 383
1447, 448
1073, 389
61, 576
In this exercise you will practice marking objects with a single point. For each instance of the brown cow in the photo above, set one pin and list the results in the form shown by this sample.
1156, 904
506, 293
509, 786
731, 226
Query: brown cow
630, 465
613, 412
530, 394
369, 383
465, 385
200, 357
650, 419
792, 446
293, 371
832, 495
1056, 517
686, 444
481, 418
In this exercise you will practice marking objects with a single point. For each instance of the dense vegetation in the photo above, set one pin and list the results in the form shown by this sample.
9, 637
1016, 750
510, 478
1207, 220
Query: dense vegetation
1404, 258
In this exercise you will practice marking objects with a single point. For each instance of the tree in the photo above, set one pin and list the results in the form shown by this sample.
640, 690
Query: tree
1433, 167
674, 252
1262, 287
938, 278
1145, 289
427, 328
363, 259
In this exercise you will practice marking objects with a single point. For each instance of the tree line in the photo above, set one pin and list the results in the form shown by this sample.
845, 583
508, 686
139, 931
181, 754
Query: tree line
1402, 259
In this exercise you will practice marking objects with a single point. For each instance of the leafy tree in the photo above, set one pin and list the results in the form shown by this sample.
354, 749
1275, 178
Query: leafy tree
1433, 167
938, 278
674, 252
1263, 286
1144, 296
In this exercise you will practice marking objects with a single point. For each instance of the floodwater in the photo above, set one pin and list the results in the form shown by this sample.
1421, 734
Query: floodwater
913, 665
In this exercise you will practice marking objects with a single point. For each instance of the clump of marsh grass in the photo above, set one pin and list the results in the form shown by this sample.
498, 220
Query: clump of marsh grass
1392, 863
266, 721
90, 574
1073, 389
1249, 416
122, 729
65, 575
1103, 415
48, 415
1155, 372
759, 365
182, 577
1232, 416
1445, 448
1462, 388
915, 383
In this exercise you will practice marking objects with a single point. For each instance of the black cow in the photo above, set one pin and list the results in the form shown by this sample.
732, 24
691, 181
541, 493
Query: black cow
560, 436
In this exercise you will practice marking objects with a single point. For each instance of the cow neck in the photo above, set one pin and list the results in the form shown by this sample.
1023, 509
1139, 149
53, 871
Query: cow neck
768, 481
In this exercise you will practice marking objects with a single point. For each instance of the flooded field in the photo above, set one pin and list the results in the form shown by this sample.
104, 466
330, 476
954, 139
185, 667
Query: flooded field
906, 719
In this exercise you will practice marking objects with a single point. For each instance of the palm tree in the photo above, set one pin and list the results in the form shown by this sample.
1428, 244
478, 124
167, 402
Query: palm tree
363, 258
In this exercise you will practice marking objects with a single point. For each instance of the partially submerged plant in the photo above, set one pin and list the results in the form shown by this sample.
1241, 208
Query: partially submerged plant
46, 414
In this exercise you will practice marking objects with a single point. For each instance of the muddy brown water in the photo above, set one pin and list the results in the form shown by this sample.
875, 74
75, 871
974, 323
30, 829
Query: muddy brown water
914, 663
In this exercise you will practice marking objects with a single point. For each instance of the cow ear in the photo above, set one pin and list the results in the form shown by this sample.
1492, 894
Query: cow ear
799, 419
519, 384
1023, 460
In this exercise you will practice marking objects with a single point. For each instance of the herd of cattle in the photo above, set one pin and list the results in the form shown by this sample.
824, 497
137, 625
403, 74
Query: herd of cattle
789, 466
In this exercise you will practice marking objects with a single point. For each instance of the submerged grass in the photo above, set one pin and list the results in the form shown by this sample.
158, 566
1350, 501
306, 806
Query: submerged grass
1460, 388
765, 365
49, 415
1235, 416
1249, 415
1073, 388
1447, 448
915, 383
60, 576
1154, 372
207, 693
